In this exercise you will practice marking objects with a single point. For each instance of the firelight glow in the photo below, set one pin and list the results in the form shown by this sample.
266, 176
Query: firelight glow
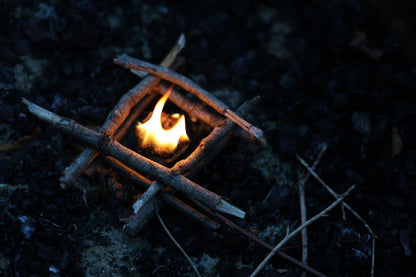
153, 135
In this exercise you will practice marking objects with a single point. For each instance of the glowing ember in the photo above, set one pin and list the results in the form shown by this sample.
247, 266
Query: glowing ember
153, 135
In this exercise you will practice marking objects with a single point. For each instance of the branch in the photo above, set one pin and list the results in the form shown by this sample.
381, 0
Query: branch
189, 85
177, 244
115, 118
295, 232
348, 207
133, 223
108, 146
302, 203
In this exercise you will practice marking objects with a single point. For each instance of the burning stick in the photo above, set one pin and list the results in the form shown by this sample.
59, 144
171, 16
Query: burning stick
189, 85
107, 146
193, 109
300, 228
116, 118
198, 155
198, 111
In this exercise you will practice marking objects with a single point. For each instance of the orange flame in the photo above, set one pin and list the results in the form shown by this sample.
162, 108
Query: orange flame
153, 135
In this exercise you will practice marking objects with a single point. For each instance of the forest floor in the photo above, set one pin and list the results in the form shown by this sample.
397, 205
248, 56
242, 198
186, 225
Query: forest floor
328, 72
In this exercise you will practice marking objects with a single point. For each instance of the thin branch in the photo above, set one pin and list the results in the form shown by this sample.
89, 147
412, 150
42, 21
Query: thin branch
108, 146
197, 157
177, 244
345, 205
257, 240
189, 85
115, 118
302, 203
210, 142
169, 59
151, 192
131, 227
295, 232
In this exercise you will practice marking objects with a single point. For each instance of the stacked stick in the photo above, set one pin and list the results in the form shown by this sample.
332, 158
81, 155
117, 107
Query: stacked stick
135, 167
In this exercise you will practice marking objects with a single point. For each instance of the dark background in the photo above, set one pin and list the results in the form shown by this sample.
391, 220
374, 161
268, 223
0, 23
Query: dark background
316, 87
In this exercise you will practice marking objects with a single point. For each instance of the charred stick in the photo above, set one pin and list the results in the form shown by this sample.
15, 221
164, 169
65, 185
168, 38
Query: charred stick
189, 85
170, 200
114, 120
108, 146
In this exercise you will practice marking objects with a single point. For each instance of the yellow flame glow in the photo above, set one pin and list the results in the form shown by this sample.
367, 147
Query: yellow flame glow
153, 135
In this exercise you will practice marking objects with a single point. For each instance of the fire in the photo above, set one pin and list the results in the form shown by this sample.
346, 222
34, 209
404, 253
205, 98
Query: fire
153, 135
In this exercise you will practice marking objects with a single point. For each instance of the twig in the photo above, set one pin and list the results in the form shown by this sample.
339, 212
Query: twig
108, 146
131, 227
113, 122
189, 85
193, 109
198, 111
177, 244
295, 232
302, 203
151, 192
200, 154
136, 222
210, 142
254, 238
169, 59
348, 207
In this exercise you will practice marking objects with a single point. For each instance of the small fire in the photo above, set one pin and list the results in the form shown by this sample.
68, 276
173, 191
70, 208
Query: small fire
153, 135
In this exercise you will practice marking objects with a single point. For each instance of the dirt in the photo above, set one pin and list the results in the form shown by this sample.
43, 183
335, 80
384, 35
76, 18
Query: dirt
328, 72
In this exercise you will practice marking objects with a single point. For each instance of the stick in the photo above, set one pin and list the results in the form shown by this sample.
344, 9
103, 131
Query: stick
193, 109
189, 85
108, 146
115, 118
251, 236
302, 203
177, 244
151, 192
136, 222
345, 205
198, 111
297, 230
169, 59
198, 155
210, 142
168, 199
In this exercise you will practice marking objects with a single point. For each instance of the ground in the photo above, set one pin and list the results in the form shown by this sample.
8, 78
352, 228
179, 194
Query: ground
328, 72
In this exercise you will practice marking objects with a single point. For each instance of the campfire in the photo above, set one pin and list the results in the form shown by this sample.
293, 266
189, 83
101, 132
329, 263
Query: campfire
164, 159
161, 137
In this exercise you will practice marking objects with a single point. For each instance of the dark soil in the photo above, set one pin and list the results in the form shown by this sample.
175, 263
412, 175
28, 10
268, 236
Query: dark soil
316, 88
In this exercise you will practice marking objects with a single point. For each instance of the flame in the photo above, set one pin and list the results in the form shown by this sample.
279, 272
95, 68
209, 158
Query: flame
153, 135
